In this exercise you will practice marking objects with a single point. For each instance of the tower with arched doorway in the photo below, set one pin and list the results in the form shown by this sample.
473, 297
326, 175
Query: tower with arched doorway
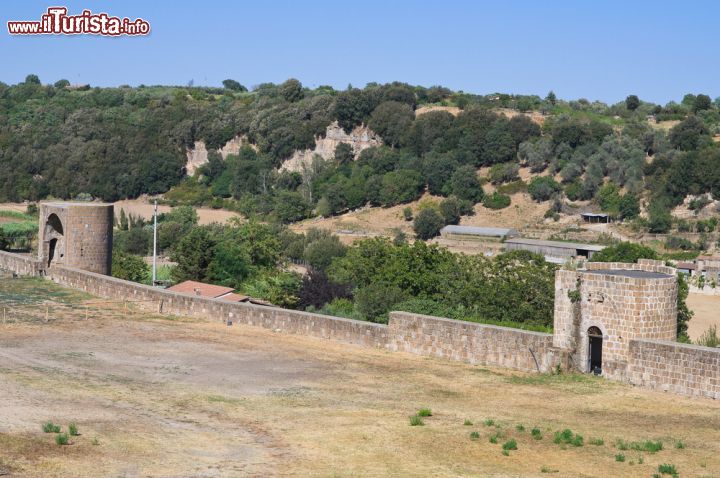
76, 235
600, 309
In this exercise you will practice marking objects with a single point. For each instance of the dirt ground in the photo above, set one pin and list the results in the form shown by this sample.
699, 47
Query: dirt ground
707, 313
168, 397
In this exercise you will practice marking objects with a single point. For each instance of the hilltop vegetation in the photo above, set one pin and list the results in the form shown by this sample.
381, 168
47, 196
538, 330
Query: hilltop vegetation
121, 142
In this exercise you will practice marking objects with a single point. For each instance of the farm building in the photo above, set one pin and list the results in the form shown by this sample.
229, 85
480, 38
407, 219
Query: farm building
593, 217
554, 251
466, 232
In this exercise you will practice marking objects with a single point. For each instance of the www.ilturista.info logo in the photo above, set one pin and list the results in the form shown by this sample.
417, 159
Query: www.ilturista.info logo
57, 22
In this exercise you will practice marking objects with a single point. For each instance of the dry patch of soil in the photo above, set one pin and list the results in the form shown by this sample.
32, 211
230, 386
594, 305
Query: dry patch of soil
143, 208
168, 397
706, 309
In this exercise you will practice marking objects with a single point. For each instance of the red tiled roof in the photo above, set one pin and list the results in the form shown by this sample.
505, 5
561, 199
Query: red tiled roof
232, 297
199, 289
686, 265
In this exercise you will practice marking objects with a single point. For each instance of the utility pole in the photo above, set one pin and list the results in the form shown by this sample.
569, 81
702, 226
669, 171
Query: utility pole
154, 268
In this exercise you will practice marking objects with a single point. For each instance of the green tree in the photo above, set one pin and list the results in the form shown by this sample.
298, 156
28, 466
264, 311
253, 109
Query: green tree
632, 102
427, 223
193, 254
320, 253
230, 264
701, 103
129, 267
344, 154
660, 219
450, 209
400, 186
542, 188
60, 84
233, 85
374, 301
464, 184
392, 120
292, 90
689, 134
551, 98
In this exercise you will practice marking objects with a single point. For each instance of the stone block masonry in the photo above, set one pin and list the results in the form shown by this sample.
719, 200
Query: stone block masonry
649, 361
470, 342
674, 367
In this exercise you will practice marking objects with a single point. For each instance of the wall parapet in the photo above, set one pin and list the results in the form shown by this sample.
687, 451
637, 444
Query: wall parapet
20, 264
674, 367
470, 342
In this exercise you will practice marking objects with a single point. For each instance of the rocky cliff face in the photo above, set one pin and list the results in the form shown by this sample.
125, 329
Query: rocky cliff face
198, 155
360, 138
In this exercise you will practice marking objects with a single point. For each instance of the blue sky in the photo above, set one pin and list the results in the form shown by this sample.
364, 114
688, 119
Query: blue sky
601, 50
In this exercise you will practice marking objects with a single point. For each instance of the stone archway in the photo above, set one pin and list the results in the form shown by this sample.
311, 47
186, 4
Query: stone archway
54, 244
595, 349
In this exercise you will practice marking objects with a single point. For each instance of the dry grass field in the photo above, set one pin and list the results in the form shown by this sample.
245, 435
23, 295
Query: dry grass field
169, 397
706, 310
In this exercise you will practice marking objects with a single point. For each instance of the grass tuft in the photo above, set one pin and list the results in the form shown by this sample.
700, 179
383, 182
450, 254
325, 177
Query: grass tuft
506, 452
620, 457
474, 435
511, 444
546, 469
62, 439
416, 421
50, 427
424, 412
520, 428
680, 445
467, 423
536, 433
567, 437
667, 469
489, 422
73, 429
596, 441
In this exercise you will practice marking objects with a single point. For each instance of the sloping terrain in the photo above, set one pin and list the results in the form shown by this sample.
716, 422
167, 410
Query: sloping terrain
168, 397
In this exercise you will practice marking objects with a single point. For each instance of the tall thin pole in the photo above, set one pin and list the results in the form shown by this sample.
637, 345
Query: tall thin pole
154, 268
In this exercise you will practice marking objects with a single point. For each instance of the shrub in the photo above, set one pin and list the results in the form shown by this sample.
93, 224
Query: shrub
474, 435
620, 457
450, 210
416, 421
494, 439
428, 223
408, 214
709, 338
424, 412
50, 427
511, 444
542, 188
504, 173
73, 429
62, 439
496, 201
536, 433
667, 469
567, 437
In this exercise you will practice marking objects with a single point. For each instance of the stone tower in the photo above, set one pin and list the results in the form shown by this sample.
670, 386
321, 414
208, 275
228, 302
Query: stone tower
600, 309
76, 235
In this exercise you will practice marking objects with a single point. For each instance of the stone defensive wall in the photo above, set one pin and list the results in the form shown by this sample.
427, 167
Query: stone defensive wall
651, 363
470, 342
19, 264
674, 367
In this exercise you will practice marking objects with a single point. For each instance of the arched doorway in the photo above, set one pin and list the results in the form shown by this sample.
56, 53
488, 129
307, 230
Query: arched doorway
595, 339
53, 239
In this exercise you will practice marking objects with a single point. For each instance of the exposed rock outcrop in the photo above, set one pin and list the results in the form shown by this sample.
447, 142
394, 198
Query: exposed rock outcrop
359, 138
198, 155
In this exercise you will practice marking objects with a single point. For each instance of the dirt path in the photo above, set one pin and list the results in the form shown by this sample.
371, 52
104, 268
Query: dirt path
164, 397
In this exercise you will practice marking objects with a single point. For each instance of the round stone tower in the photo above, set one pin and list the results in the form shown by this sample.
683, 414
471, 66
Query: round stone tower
600, 309
77, 235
